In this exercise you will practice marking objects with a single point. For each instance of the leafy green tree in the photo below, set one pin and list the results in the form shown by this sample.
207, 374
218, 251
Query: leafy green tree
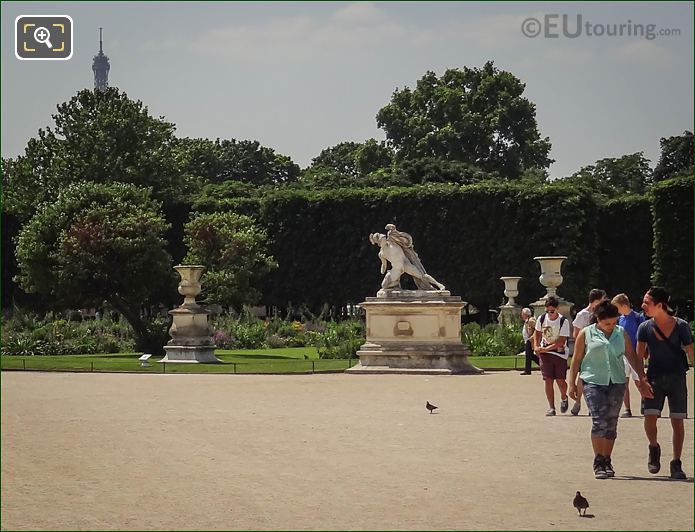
475, 115
98, 136
347, 164
437, 170
676, 156
96, 243
340, 159
233, 250
247, 161
372, 156
618, 176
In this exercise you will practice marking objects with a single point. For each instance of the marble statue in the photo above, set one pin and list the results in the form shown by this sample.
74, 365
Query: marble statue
397, 248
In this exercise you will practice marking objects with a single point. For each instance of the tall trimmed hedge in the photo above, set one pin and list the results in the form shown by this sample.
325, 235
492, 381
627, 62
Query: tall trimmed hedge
672, 211
467, 237
625, 247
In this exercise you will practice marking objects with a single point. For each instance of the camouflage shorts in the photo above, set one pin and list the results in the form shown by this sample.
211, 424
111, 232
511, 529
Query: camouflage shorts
604, 403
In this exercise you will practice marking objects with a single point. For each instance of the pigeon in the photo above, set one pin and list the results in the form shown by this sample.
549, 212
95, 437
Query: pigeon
430, 407
580, 503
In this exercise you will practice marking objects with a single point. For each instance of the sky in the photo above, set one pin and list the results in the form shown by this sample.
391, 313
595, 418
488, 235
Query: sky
303, 76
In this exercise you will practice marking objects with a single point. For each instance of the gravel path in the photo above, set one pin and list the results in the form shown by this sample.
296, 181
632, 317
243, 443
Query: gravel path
250, 452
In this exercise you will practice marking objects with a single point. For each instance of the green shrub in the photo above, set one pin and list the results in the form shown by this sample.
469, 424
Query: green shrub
340, 339
672, 210
308, 229
27, 334
493, 339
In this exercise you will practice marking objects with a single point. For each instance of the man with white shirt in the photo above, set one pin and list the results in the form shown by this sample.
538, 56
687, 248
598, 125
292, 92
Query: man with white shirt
550, 344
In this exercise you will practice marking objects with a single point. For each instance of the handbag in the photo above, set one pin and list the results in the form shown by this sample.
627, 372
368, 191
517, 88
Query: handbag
677, 350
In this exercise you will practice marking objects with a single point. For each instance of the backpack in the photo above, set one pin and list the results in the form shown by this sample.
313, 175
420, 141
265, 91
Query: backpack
562, 319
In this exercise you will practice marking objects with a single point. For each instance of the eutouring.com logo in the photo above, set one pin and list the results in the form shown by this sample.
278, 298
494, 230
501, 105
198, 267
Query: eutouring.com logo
554, 26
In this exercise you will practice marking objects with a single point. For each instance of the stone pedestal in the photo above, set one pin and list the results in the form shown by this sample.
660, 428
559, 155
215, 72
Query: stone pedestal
413, 331
190, 333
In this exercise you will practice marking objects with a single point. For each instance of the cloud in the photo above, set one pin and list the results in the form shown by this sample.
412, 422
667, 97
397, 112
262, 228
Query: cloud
567, 56
360, 13
301, 38
644, 52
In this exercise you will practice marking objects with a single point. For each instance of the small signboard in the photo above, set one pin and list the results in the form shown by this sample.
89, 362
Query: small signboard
144, 360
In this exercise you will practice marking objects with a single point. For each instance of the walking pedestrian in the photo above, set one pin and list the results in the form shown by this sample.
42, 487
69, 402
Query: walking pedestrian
629, 320
527, 332
668, 339
581, 320
598, 362
550, 344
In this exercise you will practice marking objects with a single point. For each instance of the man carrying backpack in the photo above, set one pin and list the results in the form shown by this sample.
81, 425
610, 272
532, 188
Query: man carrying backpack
550, 344
670, 345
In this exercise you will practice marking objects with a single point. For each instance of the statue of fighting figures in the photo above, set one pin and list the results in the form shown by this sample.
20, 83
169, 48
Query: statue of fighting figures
397, 248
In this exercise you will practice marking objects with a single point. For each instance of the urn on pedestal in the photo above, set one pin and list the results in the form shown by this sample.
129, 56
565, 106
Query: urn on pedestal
510, 309
190, 333
551, 279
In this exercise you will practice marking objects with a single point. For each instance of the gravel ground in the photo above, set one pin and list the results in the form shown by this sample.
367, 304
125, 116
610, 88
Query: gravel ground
269, 452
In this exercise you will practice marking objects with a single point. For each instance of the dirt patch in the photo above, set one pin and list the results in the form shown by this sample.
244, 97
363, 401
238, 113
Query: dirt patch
221, 452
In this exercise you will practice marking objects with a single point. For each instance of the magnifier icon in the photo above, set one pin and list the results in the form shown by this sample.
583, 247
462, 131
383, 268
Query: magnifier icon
43, 36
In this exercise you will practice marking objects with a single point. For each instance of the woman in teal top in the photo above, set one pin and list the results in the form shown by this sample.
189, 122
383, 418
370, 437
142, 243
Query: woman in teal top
598, 360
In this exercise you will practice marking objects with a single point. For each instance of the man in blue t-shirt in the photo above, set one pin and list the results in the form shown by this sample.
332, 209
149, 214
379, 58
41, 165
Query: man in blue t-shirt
666, 337
630, 321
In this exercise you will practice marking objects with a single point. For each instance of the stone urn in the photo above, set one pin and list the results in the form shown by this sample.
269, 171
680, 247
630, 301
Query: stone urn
550, 276
511, 289
189, 286
510, 310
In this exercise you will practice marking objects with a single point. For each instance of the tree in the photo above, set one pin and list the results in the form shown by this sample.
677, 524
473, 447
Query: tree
372, 156
437, 170
247, 161
476, 116
676, 156
353, 160
96, 243
102, 137
340, 159
232, 249
613, 177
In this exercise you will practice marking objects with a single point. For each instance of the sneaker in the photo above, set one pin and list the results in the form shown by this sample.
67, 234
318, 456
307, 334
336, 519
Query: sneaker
677, 470
525, 373
627, 413
654, 455
564, 405
550, 412
608, 467
576, 408
599, 468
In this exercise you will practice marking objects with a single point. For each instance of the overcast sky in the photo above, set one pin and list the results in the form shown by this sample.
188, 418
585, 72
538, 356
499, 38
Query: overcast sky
300, 77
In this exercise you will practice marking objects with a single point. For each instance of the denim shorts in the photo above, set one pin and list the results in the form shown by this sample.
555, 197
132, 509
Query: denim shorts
671, 385
604, 403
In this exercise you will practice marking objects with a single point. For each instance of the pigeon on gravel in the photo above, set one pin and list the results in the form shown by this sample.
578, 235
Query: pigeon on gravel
580, 503
430, 407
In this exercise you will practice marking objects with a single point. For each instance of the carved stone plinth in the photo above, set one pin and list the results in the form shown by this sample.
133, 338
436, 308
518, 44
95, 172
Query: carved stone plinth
413, 331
